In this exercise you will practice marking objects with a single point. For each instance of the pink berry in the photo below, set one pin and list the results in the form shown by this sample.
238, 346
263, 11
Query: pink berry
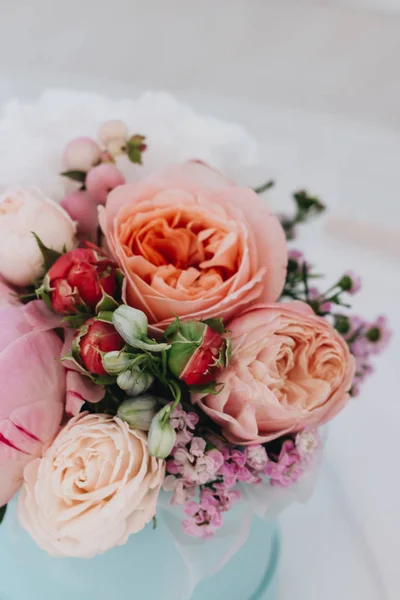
82, 208
101, 180
81, 154
111, 130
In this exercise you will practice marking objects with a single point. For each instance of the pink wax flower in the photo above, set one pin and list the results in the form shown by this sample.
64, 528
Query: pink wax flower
184, 423
235, 468
196, 465
32, 391
256, 457
205, 519
350, 282
307, 443
288, 468
182, 492
221, 496
379, 334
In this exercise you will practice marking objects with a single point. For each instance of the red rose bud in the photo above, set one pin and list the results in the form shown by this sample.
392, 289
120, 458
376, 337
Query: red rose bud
78, 279
92, 341
197, 351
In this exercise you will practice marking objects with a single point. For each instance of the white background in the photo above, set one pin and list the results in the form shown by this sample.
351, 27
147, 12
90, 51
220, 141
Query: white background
319, 84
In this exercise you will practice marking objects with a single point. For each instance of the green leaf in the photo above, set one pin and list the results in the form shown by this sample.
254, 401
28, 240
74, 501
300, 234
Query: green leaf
75, 175
75, 321
135, 147
102, 379
216, 324
2, 513
208, 388
49, 255
306, 203
107, 303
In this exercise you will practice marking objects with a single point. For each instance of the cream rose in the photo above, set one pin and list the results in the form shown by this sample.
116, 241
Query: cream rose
289, 370
23, 211
94, 486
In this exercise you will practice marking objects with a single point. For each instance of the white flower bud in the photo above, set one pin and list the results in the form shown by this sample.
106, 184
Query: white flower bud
130, 323
116, 361
138, 412
162, 436
134, 381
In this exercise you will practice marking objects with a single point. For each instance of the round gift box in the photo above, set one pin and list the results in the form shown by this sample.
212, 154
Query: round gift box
148, 566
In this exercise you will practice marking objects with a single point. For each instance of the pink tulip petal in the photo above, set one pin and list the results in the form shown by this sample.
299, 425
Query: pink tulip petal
81, 389
32, 392
41, 317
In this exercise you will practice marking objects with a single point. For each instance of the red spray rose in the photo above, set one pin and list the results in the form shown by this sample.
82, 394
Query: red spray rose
94, 339
78, 280
198, 350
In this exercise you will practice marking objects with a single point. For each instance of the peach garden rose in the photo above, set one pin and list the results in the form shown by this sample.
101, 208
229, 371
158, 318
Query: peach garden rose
193, 244
93, 486
289, 370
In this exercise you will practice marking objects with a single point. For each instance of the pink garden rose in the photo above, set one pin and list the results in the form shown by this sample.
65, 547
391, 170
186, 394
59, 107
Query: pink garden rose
94, 486
32, 388
193, 244
289, 369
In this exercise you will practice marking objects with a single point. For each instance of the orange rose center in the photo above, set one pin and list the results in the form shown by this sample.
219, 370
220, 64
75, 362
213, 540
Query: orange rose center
185, 250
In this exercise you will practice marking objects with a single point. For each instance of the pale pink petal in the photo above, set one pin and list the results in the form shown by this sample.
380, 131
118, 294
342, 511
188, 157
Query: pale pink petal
40, 316
81, 389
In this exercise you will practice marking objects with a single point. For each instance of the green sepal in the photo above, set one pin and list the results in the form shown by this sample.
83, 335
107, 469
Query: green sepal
43, 292
2, 513
224, 355
135, 147
107, 303
49, 255
213, 387
75, 362
101, 379
75, 175
105, 316
172, 328
75, 321
216, 324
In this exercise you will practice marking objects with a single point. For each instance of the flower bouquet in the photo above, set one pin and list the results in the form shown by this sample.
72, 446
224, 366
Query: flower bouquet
162, 351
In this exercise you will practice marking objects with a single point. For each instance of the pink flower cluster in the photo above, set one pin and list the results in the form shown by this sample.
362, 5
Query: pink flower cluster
217, 470
366, 340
